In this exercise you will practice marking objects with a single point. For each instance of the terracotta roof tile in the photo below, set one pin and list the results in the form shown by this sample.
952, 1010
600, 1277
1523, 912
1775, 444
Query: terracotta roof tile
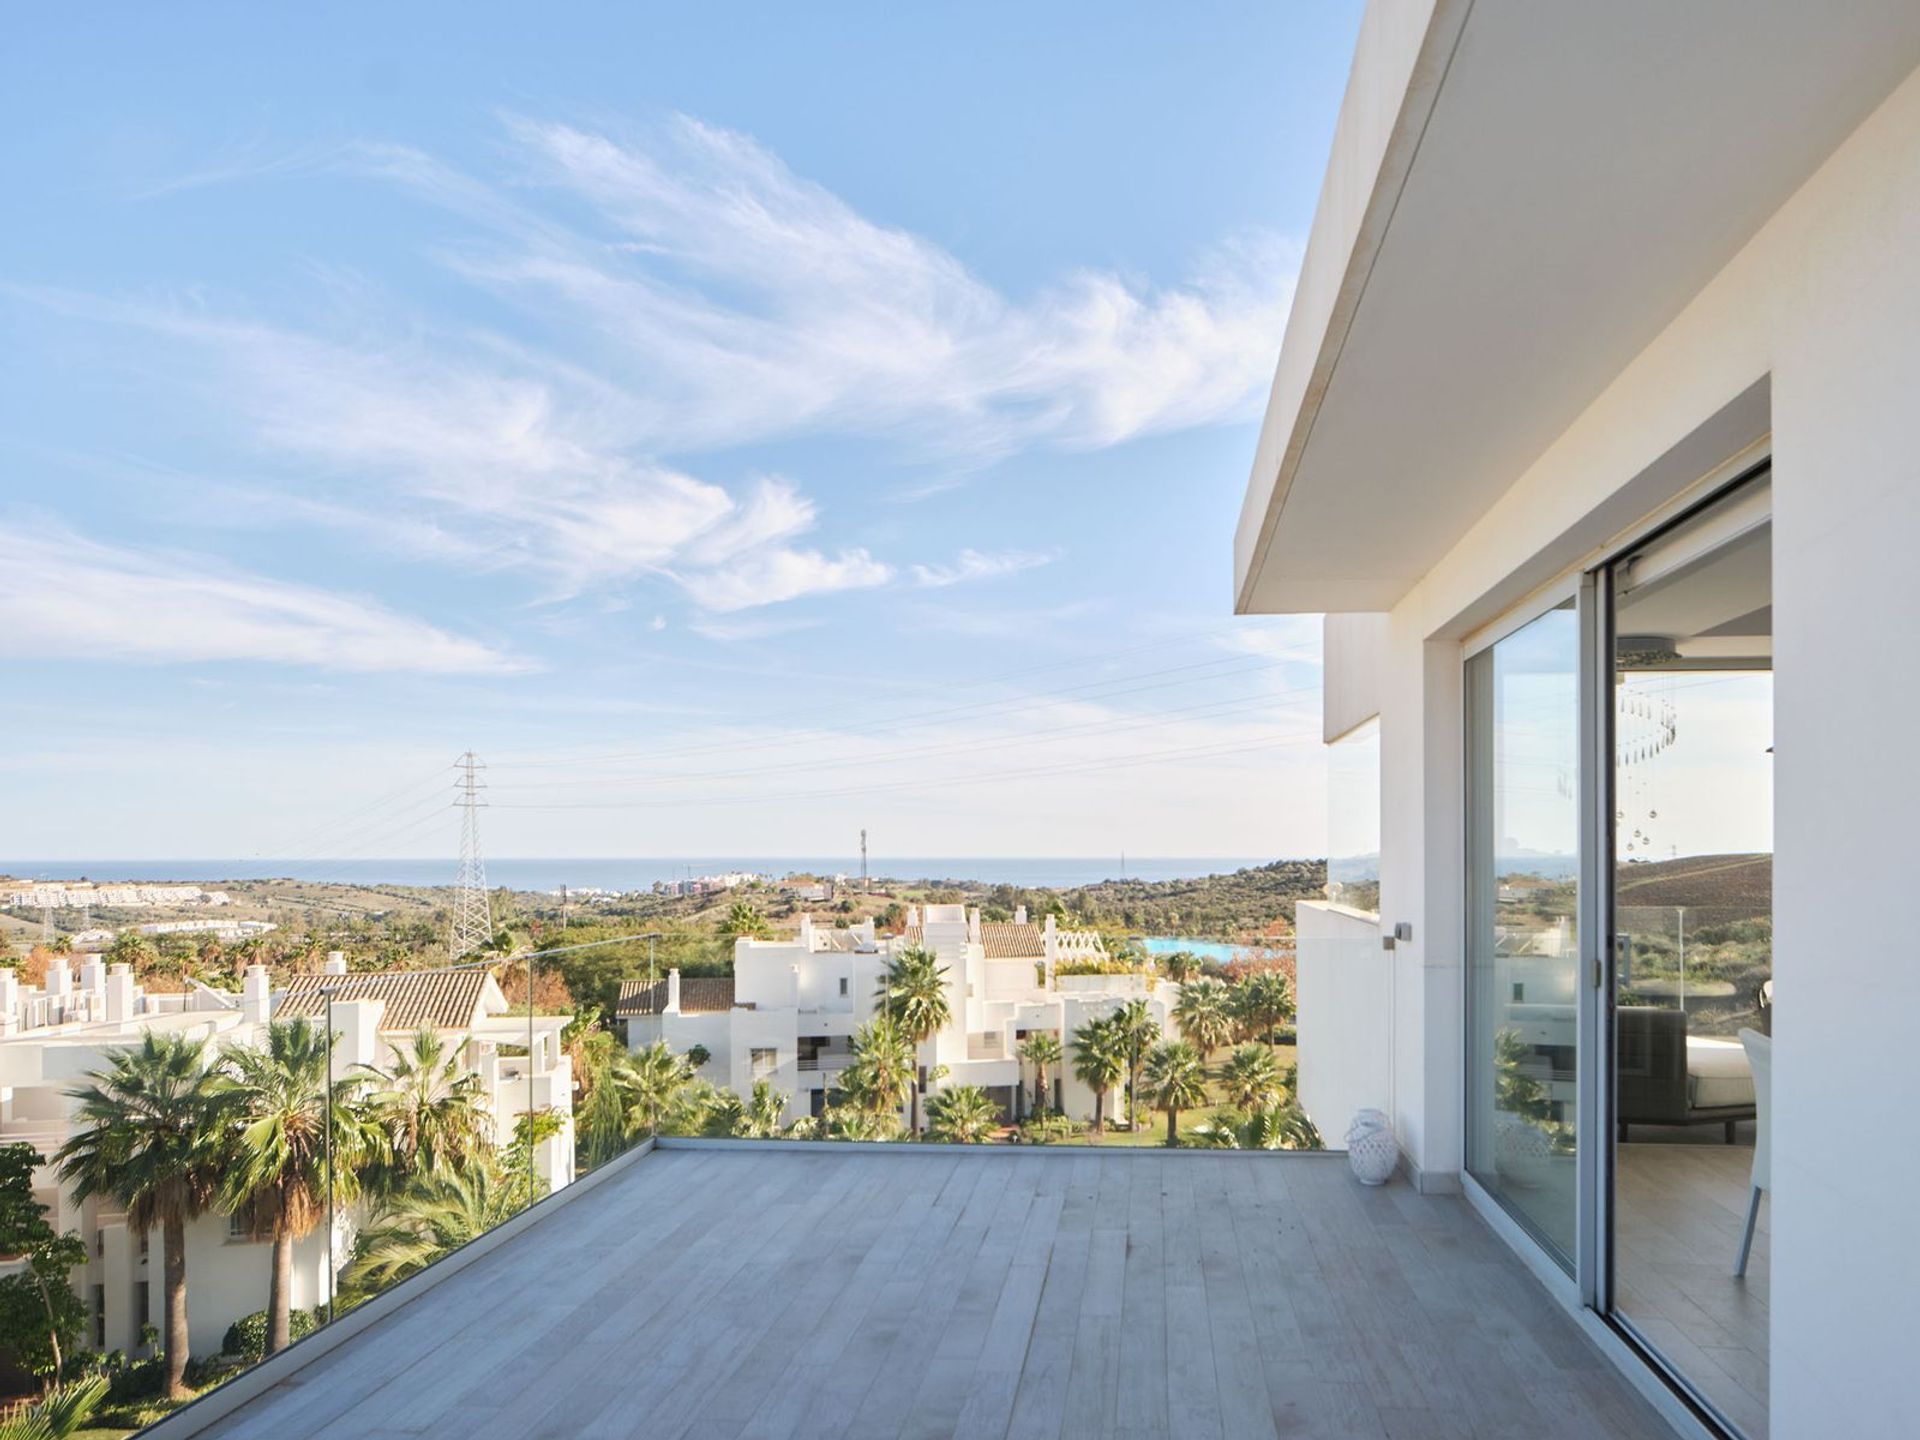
416, 999
1001, 939
699, 995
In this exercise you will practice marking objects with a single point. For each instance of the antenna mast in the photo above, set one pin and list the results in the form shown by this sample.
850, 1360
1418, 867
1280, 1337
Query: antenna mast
863, 862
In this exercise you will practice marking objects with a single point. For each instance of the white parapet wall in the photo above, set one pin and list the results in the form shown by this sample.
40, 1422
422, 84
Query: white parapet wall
1345, 1024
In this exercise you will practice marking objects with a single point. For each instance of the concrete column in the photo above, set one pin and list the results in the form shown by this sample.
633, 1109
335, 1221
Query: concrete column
336, 963
673, 992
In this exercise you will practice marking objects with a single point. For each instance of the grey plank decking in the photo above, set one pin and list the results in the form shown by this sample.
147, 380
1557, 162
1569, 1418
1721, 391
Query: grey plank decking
721, 1295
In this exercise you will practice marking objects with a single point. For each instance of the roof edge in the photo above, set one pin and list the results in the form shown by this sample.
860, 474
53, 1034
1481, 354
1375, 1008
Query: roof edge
1400, 63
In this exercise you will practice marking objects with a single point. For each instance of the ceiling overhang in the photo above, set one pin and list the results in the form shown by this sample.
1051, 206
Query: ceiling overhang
1520, 198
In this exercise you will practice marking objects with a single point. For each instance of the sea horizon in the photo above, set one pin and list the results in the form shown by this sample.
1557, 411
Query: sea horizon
629, 873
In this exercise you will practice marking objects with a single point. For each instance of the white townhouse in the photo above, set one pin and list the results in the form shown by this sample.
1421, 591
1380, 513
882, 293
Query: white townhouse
788, 1010
1593, 437
53, 1037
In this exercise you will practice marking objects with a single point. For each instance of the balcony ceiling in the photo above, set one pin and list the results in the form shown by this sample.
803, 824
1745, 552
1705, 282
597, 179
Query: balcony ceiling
1522, 197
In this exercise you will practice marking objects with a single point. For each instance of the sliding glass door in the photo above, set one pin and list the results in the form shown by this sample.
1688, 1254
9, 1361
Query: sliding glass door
1523, 863
1692, 920
1619, 942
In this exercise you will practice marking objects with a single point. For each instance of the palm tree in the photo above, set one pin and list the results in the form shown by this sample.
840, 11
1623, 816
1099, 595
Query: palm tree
58, 1413
744, 921
851, 1122
882, 1074
428, 1104
1040, 1049
1176, 1078
913, 993
600, 1119
649, 1079
1202, 1014
1251, 1078
148, 1145
1262, 1002
435, 1212
1139, 1032
1100, 1063
761, 1113
277, 1167
1281, 1125
1180, 966
962, 1115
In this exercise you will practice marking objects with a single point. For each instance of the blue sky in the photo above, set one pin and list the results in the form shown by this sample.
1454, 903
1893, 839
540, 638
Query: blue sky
740, 424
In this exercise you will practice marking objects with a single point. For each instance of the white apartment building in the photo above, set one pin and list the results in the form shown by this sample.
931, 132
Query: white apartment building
1593, 436
81, 894
53, 1038
788, 1010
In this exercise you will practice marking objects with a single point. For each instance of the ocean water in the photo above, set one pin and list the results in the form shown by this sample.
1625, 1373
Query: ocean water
636, 874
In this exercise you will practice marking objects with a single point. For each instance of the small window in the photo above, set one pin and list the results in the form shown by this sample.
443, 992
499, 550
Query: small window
843, 985
765, 1062
143, 1245
142, 1299
100, 1317
239, 1231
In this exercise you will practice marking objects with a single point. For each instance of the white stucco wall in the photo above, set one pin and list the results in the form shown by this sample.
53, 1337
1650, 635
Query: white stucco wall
1813, 329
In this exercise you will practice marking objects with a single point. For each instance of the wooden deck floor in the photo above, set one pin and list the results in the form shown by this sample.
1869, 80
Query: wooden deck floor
996, 1293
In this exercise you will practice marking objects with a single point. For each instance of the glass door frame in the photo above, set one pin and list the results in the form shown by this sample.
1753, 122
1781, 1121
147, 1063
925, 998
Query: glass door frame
1579, 588
1598, 871
1591, 1287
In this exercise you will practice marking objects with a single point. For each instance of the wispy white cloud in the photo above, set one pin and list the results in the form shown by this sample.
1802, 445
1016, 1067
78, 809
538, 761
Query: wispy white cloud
765, 304
683, 290
63, 596
767, 577
981, 565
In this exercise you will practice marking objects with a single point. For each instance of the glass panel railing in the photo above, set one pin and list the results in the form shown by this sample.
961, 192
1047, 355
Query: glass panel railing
292, 1147
1104, 1047
1345, 1059
306, 1143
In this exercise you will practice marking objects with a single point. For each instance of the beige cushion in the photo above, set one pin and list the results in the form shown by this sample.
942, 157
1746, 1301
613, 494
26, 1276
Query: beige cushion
1717, 1073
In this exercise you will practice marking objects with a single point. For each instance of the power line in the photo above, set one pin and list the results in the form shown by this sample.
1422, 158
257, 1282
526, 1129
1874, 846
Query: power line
897, 787
1210, 709
929, 688
1117, 685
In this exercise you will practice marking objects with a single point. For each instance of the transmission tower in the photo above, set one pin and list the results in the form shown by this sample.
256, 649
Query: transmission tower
472, 914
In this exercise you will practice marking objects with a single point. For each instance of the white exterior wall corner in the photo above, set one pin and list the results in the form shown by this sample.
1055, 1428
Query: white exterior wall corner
1400, 58
1812, 331
1353, 651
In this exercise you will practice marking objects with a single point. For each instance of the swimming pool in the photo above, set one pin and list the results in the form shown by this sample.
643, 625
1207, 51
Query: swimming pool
1205, 949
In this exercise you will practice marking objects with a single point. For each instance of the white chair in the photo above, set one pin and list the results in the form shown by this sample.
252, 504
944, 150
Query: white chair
1760, 1060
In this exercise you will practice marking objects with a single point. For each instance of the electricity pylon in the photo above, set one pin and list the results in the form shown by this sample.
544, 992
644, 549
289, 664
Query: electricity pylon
472, 912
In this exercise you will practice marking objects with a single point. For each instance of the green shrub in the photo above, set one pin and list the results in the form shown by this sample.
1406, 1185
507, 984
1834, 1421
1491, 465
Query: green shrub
247, 1336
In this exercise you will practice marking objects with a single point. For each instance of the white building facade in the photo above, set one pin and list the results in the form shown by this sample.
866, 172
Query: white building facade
53, 1038
1592, 436
787, 1014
